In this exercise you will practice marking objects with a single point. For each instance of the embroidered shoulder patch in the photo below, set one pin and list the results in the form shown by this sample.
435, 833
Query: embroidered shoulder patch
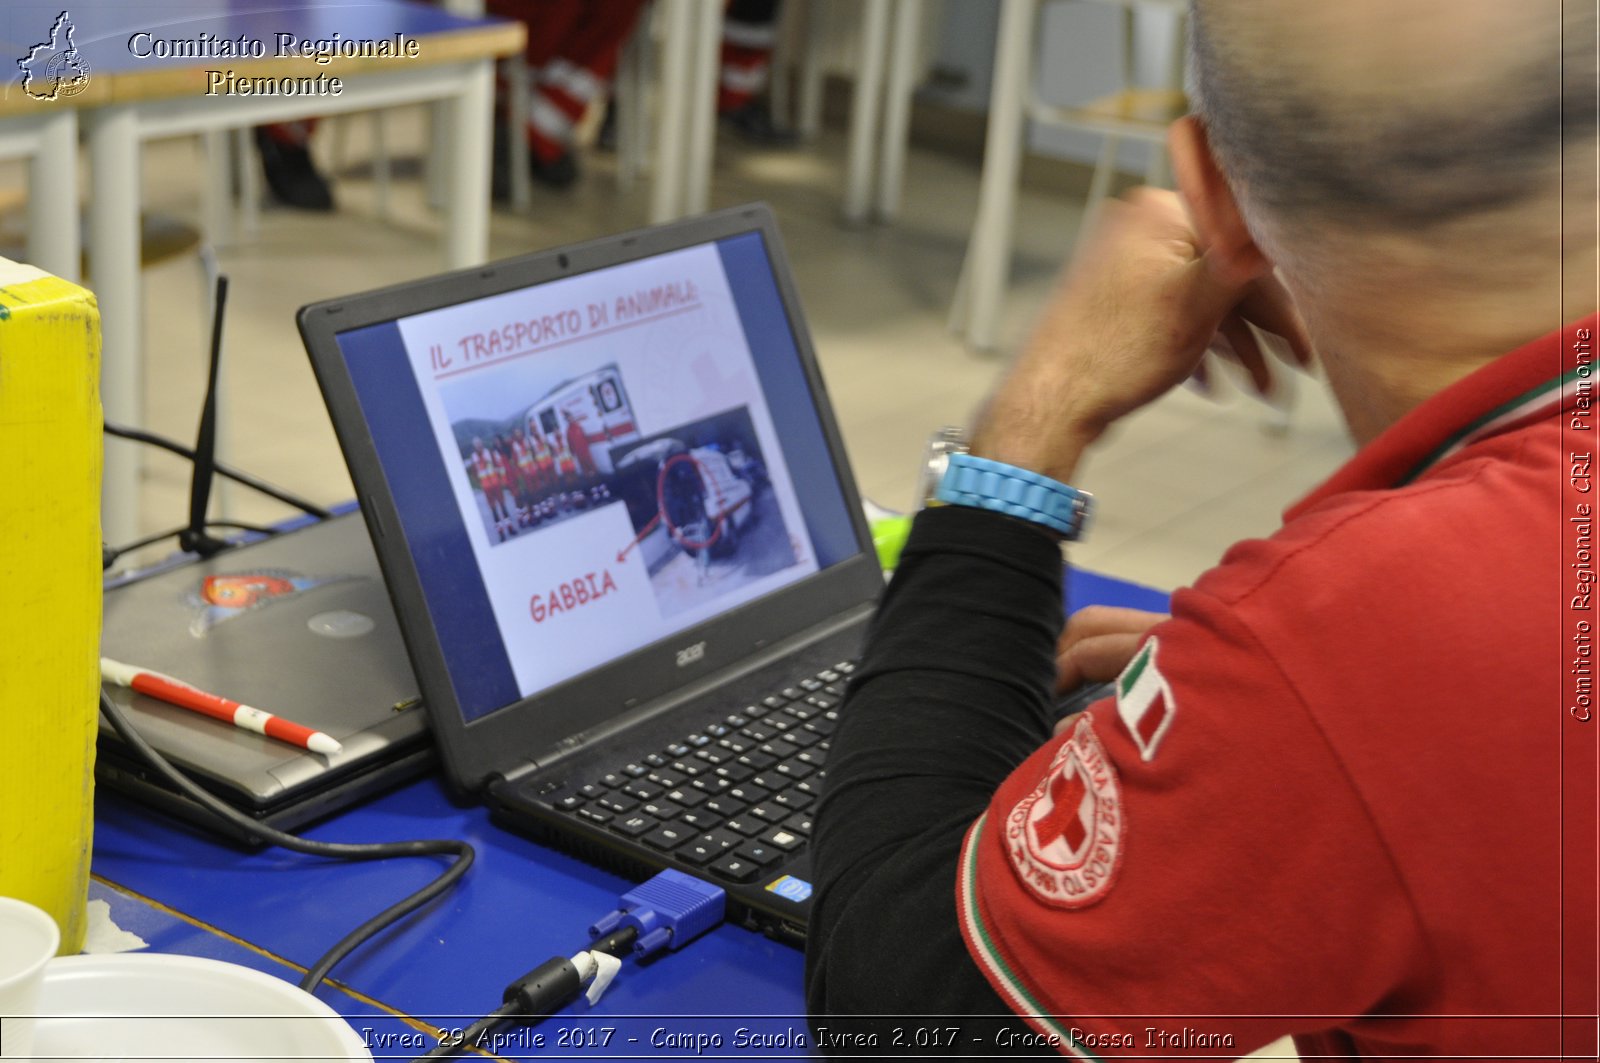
1144, 701
1065, 838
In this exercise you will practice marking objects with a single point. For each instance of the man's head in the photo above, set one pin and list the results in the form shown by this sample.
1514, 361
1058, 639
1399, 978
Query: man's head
1367, 116
1399, 161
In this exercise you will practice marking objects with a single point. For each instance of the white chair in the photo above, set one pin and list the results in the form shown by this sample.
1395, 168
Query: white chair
885, 77
691, 45
1141, 113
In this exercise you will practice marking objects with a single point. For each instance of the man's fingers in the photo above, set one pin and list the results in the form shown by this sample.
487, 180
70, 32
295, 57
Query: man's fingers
1247, 353
1097, 659
1094, 620
1270, 308
1209, 291
1099, 641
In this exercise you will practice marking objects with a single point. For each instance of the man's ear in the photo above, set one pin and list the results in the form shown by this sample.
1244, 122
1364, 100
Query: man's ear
1213, 209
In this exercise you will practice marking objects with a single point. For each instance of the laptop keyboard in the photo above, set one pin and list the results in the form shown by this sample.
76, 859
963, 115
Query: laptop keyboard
735, 798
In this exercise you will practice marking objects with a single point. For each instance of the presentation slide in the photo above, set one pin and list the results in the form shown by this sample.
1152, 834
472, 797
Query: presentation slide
612, 458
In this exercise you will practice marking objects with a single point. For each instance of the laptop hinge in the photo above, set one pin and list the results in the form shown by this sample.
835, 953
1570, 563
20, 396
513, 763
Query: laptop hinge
521, 770
583, 740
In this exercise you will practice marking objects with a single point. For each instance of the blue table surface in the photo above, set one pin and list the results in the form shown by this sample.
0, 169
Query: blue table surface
167, 931
519, 905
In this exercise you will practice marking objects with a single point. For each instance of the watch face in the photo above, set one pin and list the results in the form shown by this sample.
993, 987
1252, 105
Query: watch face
936, 459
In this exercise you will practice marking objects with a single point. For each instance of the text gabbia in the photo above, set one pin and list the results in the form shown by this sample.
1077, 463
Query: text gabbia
573, 594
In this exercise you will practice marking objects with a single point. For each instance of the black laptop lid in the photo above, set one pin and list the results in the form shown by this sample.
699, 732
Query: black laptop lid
594, 476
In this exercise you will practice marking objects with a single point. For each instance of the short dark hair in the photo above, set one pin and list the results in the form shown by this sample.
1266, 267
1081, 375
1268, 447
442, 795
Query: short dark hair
1414, 163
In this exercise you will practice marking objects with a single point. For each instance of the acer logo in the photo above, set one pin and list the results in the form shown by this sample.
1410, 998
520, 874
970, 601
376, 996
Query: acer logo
690, 654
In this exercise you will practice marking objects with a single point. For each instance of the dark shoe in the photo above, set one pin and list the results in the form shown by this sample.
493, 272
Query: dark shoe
291, 176
560, 172
753, 122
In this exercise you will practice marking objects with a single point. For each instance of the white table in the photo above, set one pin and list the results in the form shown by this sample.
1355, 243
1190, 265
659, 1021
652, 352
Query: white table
131, 99
48, 139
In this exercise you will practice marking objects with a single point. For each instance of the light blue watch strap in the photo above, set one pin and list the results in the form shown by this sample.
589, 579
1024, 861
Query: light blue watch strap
994, 485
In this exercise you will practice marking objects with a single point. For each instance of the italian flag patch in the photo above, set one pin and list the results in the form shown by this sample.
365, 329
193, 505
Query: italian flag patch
1144, 701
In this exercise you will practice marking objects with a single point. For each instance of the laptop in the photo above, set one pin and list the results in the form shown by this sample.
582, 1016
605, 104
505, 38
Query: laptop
298, 624
625, 548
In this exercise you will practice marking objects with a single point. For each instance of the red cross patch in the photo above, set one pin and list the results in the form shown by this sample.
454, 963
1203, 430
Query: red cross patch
1065, 837
1060, 817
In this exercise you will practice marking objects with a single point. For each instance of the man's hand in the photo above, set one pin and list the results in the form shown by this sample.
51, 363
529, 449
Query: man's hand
1138, 308
1097, 644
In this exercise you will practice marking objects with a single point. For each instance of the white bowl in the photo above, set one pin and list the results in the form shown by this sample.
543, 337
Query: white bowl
154, 1007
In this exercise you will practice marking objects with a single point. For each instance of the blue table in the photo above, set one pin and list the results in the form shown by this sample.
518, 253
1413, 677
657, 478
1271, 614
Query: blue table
444, 967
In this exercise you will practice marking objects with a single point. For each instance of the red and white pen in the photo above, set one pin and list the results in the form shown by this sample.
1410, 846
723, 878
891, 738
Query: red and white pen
176, 692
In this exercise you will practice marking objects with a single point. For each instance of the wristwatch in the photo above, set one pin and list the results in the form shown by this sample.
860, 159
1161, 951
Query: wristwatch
951, 475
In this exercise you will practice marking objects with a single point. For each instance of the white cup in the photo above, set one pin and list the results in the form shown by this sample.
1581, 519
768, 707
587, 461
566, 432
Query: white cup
28, 940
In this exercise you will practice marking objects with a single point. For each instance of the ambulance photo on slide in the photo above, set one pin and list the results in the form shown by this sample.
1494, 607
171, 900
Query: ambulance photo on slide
541, 454
703, 509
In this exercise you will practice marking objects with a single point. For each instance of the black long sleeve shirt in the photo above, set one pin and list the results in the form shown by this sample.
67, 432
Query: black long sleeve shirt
954, 690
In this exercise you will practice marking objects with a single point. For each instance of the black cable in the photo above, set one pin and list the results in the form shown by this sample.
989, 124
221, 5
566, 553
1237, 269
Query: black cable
109, 554
452, 1045
535, 996
139, 435
336, 850
256, 529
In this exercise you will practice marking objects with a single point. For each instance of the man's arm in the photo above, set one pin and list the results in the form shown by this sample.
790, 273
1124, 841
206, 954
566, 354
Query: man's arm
953, 693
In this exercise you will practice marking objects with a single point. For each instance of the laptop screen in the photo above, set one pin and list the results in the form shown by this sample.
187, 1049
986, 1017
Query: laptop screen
590, 465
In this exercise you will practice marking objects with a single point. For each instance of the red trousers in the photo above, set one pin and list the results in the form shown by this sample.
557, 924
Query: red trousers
572, 53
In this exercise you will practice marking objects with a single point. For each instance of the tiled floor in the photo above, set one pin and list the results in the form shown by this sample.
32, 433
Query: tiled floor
1177, 483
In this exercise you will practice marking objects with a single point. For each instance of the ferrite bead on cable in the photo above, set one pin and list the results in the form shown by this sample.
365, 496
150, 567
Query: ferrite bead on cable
545, 988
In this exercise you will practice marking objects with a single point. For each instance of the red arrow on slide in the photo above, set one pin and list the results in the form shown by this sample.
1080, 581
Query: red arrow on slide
622, 555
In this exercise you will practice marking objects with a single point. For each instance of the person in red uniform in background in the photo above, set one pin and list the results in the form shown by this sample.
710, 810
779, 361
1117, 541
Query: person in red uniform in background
522, 459
486, 466
578, 444
1325, 797
543, 463
749, 36
572, 53
566, 464
545, 452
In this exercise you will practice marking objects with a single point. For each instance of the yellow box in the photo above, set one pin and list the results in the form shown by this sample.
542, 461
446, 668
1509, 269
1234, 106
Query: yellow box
50, 582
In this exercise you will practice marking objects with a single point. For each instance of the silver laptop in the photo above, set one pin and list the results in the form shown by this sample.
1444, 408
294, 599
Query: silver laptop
299, 624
